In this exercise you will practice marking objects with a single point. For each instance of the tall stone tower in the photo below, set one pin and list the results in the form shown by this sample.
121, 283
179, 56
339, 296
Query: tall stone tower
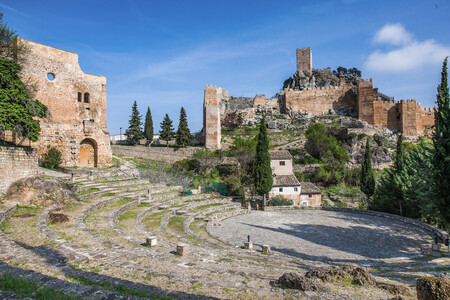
304, 59
211, 116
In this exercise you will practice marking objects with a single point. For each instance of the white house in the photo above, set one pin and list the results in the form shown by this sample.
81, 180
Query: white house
286, 184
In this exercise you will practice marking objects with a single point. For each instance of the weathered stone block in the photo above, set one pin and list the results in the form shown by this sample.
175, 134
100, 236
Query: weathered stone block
248, 245
182, 249
265, 249
152, 241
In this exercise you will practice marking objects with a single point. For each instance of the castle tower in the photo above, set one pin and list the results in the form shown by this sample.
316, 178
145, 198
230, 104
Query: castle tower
211, 116
366, 98
304, 59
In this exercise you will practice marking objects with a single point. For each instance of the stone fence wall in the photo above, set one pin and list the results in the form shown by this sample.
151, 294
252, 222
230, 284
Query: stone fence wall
166, 154
436, 232
16, 163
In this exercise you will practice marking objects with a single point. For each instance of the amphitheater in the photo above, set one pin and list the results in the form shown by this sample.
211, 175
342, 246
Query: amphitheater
101, 252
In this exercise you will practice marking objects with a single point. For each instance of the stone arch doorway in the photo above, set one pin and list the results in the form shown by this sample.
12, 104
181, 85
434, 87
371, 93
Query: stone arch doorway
88, 153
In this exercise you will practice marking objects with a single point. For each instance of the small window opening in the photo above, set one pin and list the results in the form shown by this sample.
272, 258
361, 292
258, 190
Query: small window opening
310, 195
86, 98
295, 189
282, 163
51, 76
80, 97
281, 189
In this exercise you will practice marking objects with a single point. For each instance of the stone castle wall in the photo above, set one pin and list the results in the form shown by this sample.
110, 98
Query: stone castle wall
169, 155
76, 102
359, 99
16, 163
320, 100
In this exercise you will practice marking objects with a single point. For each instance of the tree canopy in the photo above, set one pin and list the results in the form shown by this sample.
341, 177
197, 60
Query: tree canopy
183, 135
148, 126
367, 179
167, 132
441, 142
17, 109
263, 171
134, 131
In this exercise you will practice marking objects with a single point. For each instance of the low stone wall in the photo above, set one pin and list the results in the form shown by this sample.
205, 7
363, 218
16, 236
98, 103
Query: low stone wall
166, 154
16, 163
441, 234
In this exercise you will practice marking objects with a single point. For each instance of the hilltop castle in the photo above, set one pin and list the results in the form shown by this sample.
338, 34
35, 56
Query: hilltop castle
319, 92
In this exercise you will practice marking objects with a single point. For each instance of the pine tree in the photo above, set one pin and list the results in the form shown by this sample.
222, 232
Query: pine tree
263, 171
183, 135
367, 179
148, 127
441, 142
166, 133
134, 131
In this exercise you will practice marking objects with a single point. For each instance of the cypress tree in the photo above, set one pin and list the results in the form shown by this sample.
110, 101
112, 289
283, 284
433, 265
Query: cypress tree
441, 142
134, 131
262, 169
183, 135
166, 133
367, 179
148, 127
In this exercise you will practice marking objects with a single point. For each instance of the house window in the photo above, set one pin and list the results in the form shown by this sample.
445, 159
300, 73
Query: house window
86, 97
304, 203
281, 190
282, 163
295, 189
310, 195
80, 97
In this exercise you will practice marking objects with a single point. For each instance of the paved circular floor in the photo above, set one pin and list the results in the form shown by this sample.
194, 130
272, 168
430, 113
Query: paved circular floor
325, 235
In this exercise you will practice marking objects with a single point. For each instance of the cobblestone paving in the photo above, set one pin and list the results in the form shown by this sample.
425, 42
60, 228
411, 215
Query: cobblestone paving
325, 235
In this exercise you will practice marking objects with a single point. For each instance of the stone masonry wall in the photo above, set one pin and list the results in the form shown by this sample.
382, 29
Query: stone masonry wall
155, 153
321, 99
16, 163
76, 105
211, 116
304, 59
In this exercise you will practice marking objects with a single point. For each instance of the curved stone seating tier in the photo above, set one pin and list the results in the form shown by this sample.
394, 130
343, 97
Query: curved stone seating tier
116, 242
118, 184
191, 218
165, 219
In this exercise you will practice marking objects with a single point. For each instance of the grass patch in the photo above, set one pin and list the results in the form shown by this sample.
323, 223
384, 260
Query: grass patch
127, 215
119, 288
176, 224
30, 289
108, 195
89, 191
344, 191
206, 206
154, 220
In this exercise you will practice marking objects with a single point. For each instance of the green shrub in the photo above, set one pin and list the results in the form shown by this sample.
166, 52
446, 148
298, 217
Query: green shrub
300, 176
52, 158
279, 200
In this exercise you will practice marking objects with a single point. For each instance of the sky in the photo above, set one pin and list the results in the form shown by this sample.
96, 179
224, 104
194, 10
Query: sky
162, 53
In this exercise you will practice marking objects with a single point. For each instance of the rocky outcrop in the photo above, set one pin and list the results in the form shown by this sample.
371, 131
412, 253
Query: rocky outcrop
433, 288
314, 280
41, 192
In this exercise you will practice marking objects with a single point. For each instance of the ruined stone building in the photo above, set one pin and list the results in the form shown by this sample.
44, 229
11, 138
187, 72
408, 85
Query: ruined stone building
76, 102
318, 92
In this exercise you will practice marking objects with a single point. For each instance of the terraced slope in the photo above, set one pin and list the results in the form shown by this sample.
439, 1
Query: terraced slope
101, 251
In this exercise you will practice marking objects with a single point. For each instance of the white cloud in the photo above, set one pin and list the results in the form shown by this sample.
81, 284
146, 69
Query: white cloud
410, 55
394, 34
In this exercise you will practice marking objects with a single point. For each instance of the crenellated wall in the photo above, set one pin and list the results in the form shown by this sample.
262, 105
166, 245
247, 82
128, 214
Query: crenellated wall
407, 116
319, 100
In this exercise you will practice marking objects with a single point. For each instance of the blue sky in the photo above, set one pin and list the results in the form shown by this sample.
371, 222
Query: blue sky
162, 53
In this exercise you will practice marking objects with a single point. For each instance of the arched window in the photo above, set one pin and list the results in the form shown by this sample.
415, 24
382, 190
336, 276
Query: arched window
80, 96
86, 97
